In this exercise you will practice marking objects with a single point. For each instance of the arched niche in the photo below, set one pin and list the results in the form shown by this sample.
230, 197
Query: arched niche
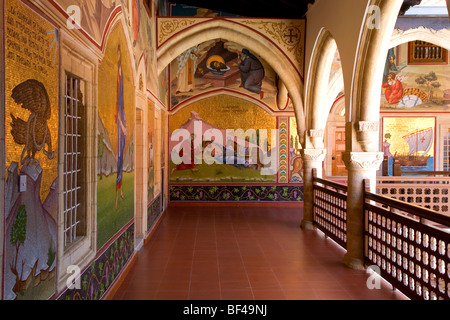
254, 41
323, 83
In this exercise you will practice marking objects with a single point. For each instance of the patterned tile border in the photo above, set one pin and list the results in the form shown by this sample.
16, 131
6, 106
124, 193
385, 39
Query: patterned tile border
283, 149
230, 193
153, 212
102, 272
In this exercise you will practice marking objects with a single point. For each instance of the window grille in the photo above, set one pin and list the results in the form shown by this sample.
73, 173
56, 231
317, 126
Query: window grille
72, 161
421, 52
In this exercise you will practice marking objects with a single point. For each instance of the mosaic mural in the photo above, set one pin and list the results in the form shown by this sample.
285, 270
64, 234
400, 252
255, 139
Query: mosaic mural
32, 69
219, 64
221, 113
140, 17
416, 84
410, 140
117, 129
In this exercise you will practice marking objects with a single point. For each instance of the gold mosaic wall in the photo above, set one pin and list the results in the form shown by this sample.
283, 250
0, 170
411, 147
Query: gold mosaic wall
107, 86
226, 112
221, 112
32, 52
396, 128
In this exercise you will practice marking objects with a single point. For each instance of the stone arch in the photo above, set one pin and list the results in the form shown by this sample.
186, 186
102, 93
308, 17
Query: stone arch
254, 41
224, 92
317, 104
364, 107
437, 37
362, 157
337, 111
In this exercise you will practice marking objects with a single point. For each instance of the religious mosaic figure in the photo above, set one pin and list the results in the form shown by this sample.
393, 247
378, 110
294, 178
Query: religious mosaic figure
122, 128
390, 65
394, 89
135, 20
34, 133
252, 72
187, 65
191, 164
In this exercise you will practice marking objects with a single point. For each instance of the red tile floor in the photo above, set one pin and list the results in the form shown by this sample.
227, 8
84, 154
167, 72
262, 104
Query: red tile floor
243, 253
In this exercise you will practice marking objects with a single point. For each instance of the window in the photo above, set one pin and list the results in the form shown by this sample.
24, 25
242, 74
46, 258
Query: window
421, 52
73, 164
77, 159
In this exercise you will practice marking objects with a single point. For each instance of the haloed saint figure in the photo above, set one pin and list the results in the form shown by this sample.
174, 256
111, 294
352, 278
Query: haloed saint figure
252, 72
121, 122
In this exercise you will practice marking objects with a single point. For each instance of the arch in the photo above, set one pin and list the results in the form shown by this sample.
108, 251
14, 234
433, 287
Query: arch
318, 81
254, 41
364, 106
225, 92
335, 120
337, 110
437, 37
119, 18
335, 87
141, 74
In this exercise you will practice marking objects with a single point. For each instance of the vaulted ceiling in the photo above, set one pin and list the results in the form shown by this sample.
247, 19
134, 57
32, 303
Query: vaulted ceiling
289, 9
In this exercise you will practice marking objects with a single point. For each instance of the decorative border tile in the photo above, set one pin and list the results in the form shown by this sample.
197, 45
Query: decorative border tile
153, 212
230, 193
283, 124
102, 272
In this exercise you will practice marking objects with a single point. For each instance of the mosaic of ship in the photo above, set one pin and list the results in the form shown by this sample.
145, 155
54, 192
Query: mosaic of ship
420, 143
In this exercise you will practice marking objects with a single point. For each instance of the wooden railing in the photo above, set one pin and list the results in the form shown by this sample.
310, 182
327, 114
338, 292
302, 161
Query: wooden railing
410, 244
330, 209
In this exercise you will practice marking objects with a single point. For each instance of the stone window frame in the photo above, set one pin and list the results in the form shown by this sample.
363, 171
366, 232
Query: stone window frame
78, 61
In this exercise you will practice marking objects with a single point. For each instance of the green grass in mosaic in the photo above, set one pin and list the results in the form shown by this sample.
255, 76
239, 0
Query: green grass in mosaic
110, 220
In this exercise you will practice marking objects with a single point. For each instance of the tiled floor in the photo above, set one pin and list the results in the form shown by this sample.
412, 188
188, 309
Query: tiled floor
243, 253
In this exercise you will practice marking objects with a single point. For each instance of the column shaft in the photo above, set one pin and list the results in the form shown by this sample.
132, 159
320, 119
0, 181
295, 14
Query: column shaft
360, 166
312, 159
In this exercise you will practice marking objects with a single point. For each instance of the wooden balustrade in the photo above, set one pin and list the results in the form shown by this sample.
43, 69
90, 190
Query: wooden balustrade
330, 208
410, 244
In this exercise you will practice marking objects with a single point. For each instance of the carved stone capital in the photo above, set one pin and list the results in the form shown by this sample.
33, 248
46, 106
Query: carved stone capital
314, 154
368, 126
363, 160
316, 133
367, 135
316, 138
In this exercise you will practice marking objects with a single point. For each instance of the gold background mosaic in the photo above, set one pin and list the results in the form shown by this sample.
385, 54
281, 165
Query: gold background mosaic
107, 86
32, 52
226, 112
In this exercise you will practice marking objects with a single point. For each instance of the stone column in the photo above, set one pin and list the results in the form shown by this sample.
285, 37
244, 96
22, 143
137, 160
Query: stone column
312, 158
360, 166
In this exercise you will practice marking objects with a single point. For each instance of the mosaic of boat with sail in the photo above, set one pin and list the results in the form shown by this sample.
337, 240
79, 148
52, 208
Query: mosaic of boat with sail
420, 143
